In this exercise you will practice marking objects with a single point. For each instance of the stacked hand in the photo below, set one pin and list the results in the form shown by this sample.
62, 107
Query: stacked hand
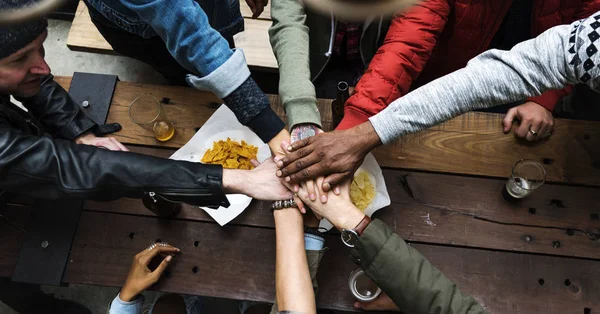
260, 182
334, 156
339, 209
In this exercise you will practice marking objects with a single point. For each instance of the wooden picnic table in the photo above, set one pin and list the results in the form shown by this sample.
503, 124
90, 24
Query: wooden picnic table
541, 255
254, 40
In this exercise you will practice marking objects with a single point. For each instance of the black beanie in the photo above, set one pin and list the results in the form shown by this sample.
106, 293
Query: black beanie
16, 36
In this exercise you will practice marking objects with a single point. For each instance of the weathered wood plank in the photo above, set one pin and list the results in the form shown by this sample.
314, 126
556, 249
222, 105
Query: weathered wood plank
238, 263
472, 143
13, 220
458, 210
254, 40
84, 36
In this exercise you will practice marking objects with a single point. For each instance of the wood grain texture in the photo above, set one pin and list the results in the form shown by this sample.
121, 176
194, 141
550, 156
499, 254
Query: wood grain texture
247, 12
472, 143
238, 263
452, 210
84, 36
13, 222
254, 40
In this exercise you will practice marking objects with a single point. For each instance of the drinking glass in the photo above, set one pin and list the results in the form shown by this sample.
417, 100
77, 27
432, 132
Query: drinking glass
148, 112
527, 175
362, 287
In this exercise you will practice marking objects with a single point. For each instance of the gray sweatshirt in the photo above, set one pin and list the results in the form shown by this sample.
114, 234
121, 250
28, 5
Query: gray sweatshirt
563, 55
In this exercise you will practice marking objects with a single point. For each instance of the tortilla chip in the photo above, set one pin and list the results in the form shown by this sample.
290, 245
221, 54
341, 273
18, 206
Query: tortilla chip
231, 154
362, 190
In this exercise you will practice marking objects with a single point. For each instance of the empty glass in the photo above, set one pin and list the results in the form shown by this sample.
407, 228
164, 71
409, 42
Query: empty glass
148, 112
527, 175
362, 287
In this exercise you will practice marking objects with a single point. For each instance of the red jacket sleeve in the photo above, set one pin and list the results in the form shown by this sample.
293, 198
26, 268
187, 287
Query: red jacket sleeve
550, 98
407, 47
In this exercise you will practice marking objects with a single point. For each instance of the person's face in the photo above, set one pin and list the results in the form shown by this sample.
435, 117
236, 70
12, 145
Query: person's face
21, 72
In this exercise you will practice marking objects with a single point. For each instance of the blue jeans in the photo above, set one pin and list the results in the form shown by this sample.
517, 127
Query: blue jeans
176, 37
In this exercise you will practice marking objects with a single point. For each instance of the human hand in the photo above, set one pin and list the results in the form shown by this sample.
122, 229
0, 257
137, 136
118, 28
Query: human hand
275, 143
335, 155
259, 183
140, 276
339, 209
536, 122
257, 7
382, 303
301, 132
109, 143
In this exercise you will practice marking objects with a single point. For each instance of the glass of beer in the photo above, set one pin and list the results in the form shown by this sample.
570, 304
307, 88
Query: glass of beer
362, 287
148, 112
527, 175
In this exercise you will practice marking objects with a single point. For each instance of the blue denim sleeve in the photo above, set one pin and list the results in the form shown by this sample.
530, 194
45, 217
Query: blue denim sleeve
185, 29
119, 306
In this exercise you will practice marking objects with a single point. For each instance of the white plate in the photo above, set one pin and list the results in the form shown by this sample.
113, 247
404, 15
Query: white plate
221, 125
382, 198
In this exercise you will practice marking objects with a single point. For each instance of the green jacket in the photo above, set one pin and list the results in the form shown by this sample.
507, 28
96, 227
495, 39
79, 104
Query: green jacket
407, 277
302, 41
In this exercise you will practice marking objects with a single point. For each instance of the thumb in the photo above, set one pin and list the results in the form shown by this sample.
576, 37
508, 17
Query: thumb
255, 163
161, 267
333, 180
284, 146
508, 119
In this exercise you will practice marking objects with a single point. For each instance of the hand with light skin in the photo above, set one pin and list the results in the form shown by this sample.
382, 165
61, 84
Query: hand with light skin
275, 143
531, 116
257, 7
339, 209
259, 183
382, 303
109, 143
140, 276
333, 155
299, 132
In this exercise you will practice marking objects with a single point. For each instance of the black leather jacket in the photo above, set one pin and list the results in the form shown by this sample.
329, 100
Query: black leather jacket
38, 158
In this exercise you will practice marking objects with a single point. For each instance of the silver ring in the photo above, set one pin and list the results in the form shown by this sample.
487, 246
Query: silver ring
284, 204
152, 246
534, 133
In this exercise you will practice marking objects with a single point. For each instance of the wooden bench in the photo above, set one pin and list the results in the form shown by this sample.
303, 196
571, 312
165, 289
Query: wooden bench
541, 255
254, 40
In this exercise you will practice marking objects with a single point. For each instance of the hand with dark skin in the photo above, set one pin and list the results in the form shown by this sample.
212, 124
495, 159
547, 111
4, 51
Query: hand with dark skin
140, 276
257, 7
334, 155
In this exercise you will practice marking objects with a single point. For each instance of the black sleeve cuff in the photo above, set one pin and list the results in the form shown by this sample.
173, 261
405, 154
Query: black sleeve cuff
253, 109
266, 124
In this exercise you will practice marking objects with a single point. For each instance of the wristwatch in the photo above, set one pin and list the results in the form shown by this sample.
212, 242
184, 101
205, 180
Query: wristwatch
350, 236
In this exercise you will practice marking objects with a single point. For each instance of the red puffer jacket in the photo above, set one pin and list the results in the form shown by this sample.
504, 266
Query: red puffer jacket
437, 37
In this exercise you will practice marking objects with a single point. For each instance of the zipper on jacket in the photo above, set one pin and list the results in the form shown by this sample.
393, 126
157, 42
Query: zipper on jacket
328, 53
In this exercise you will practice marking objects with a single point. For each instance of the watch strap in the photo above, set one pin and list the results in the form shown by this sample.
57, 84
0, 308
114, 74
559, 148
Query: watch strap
362, 225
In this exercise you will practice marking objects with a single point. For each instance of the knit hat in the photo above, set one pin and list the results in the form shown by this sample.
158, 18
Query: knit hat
18, 35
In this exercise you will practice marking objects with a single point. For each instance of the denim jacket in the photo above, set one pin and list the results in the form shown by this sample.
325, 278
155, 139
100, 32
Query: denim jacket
193, 32
223, 15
